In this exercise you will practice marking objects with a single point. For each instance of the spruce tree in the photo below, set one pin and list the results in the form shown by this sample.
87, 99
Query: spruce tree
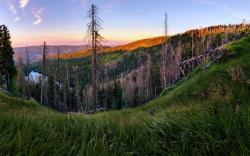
109, 98
117, 93
7, 66
101, 97
51, 92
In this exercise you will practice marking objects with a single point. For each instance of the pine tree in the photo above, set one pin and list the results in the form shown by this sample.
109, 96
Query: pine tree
7, 66
117, 94
66, 94
78, 91
101, 97
136, 96
51, 91
109, 98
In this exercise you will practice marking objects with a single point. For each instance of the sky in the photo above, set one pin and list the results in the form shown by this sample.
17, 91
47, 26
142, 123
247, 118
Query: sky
63, 22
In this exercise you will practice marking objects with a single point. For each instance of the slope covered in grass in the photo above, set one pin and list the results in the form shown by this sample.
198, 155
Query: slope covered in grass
206, 114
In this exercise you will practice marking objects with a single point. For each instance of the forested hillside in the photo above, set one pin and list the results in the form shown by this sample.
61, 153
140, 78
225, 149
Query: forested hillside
145, 43
205, 114
129, 78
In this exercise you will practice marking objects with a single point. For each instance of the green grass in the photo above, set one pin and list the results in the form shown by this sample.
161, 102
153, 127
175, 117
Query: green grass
195, 117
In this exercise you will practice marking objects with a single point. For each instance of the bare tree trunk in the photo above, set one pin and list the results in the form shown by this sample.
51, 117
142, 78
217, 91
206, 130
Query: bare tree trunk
203, 43
140, 79
67, 69
93, 27
28, 79
42, 89
164, 65
58, 65
193, 44
78, 94
178, 56
44, 72
20, 73
149, 76
94, 71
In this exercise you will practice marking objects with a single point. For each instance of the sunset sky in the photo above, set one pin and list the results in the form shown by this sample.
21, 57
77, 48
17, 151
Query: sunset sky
64, 21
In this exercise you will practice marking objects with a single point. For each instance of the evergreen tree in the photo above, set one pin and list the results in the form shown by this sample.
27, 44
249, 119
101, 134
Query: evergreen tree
51, 91
7, 66
109, 97
101, 97
78, 91
117, 94
136, 97
66, 94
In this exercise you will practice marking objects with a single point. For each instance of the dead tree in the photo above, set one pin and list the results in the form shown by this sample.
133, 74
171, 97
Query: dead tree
171, 68
166, 24
28, 71
225, 39
94, 26
58, 66
203, 39
140, 77
57, 87
167, 60
164, 64
20, 73
164, 54
44, 63
193, 44
149, 77
178, 59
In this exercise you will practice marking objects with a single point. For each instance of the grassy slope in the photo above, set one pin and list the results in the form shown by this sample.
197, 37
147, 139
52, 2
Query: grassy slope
196, 117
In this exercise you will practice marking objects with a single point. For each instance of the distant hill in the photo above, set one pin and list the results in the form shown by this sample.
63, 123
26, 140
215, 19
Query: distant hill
145, 43
35, 52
